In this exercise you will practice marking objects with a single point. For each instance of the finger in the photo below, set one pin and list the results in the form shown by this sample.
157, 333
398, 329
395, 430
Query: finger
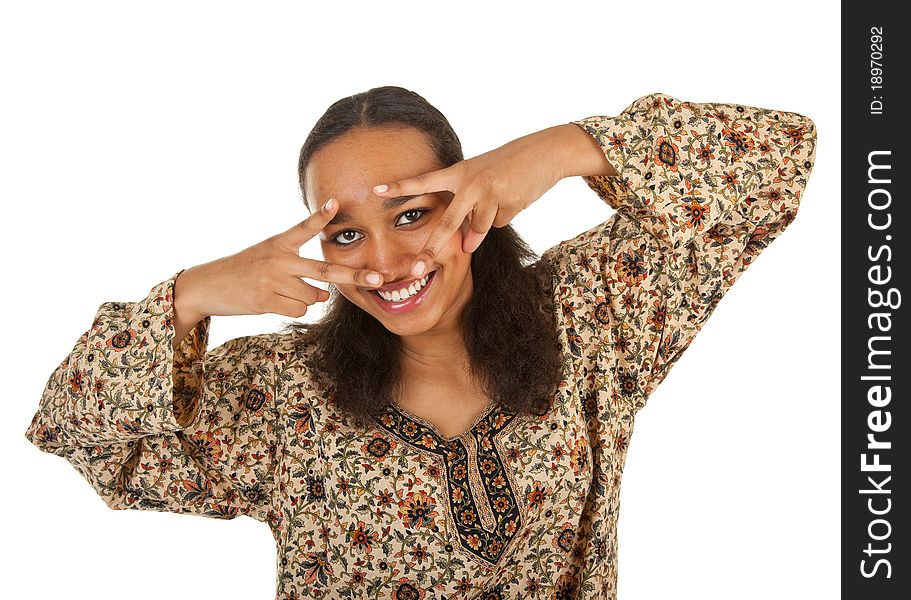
321, 294
450, 221
336, 273
434, 181
290, 307
482, 218
301, 233
296, 288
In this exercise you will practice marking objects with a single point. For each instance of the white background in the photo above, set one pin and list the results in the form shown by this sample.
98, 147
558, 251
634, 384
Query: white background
138, 139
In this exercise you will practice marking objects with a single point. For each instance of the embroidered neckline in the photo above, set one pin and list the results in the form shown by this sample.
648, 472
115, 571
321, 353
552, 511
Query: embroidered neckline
468, 432
480, 494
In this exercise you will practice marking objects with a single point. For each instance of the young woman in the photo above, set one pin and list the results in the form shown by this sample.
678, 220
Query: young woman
456, 424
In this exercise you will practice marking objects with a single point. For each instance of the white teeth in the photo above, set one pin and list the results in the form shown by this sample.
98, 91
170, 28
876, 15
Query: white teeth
404, 293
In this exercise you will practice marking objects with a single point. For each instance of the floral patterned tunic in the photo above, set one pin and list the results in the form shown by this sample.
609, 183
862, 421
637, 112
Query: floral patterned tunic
515, 507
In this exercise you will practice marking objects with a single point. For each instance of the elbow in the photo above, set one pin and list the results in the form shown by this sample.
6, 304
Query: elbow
809, 130
799, 130
812, 126
799, 153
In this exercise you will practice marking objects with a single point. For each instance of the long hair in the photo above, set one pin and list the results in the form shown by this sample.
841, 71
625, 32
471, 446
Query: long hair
509, 327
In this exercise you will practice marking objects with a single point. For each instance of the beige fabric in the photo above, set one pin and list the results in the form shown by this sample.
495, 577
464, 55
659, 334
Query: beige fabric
515, 507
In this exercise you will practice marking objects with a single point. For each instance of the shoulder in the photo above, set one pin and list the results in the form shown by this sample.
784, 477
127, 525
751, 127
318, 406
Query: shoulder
253, 349
274, 360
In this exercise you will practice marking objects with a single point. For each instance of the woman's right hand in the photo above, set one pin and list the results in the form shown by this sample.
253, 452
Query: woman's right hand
264, 278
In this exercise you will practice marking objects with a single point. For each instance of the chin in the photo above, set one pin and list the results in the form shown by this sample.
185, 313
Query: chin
403, 325
405, 329
407, 324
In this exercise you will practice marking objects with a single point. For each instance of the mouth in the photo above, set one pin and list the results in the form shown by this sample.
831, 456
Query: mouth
406, 299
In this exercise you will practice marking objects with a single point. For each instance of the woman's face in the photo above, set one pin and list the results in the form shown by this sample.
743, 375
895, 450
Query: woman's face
370, 232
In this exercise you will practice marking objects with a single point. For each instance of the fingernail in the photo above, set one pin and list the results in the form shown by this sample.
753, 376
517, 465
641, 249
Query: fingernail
418, 269
373, 278
381, 188
329, 204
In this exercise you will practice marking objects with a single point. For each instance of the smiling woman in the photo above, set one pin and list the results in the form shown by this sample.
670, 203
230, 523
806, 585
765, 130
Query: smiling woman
378, 351
457, 425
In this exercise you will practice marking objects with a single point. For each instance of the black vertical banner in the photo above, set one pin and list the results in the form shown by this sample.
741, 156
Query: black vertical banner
876, 372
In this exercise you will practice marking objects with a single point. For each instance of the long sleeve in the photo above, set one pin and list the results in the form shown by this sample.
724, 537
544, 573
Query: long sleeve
701, 189
152, 427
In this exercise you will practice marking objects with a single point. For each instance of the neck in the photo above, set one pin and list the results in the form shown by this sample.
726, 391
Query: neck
437, 356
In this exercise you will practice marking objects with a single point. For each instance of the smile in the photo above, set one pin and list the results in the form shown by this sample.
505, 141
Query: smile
405, 299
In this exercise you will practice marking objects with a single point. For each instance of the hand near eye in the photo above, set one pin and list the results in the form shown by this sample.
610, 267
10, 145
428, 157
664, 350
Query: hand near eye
264, 278
489, 189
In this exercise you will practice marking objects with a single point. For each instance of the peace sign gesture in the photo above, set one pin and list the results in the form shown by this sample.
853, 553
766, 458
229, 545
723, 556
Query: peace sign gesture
489, 189
265, 278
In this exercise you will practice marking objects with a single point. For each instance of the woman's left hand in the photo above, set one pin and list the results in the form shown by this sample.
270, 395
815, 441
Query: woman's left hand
489, 189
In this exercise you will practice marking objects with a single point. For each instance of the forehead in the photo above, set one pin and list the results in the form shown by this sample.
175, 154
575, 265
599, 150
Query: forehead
349, 166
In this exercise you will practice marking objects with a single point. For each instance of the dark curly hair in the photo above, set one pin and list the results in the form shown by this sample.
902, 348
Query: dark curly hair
509, 327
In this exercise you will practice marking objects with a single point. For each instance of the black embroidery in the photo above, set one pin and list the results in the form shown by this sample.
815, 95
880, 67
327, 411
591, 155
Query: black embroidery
486, 544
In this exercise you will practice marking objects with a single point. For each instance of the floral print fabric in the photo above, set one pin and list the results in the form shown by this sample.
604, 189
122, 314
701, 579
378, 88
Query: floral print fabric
516, 506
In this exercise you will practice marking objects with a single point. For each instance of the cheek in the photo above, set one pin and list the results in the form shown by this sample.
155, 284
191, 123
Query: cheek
331, 255
348, 292
339, 258
453, 250
354, 296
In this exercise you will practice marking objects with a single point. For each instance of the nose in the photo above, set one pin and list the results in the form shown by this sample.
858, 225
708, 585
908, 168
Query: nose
392, 260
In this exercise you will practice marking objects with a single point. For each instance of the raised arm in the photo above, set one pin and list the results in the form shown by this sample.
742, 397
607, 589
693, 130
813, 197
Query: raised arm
700, 190
684, 166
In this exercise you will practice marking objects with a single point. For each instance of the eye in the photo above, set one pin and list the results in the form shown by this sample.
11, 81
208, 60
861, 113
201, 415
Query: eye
343, 235
418, 214
349, 236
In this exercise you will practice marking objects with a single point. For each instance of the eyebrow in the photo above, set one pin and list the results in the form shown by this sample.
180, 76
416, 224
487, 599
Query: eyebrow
388, 203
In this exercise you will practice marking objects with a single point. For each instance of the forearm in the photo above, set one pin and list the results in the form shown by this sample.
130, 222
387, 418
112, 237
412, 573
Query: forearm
186, 316
580, 155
